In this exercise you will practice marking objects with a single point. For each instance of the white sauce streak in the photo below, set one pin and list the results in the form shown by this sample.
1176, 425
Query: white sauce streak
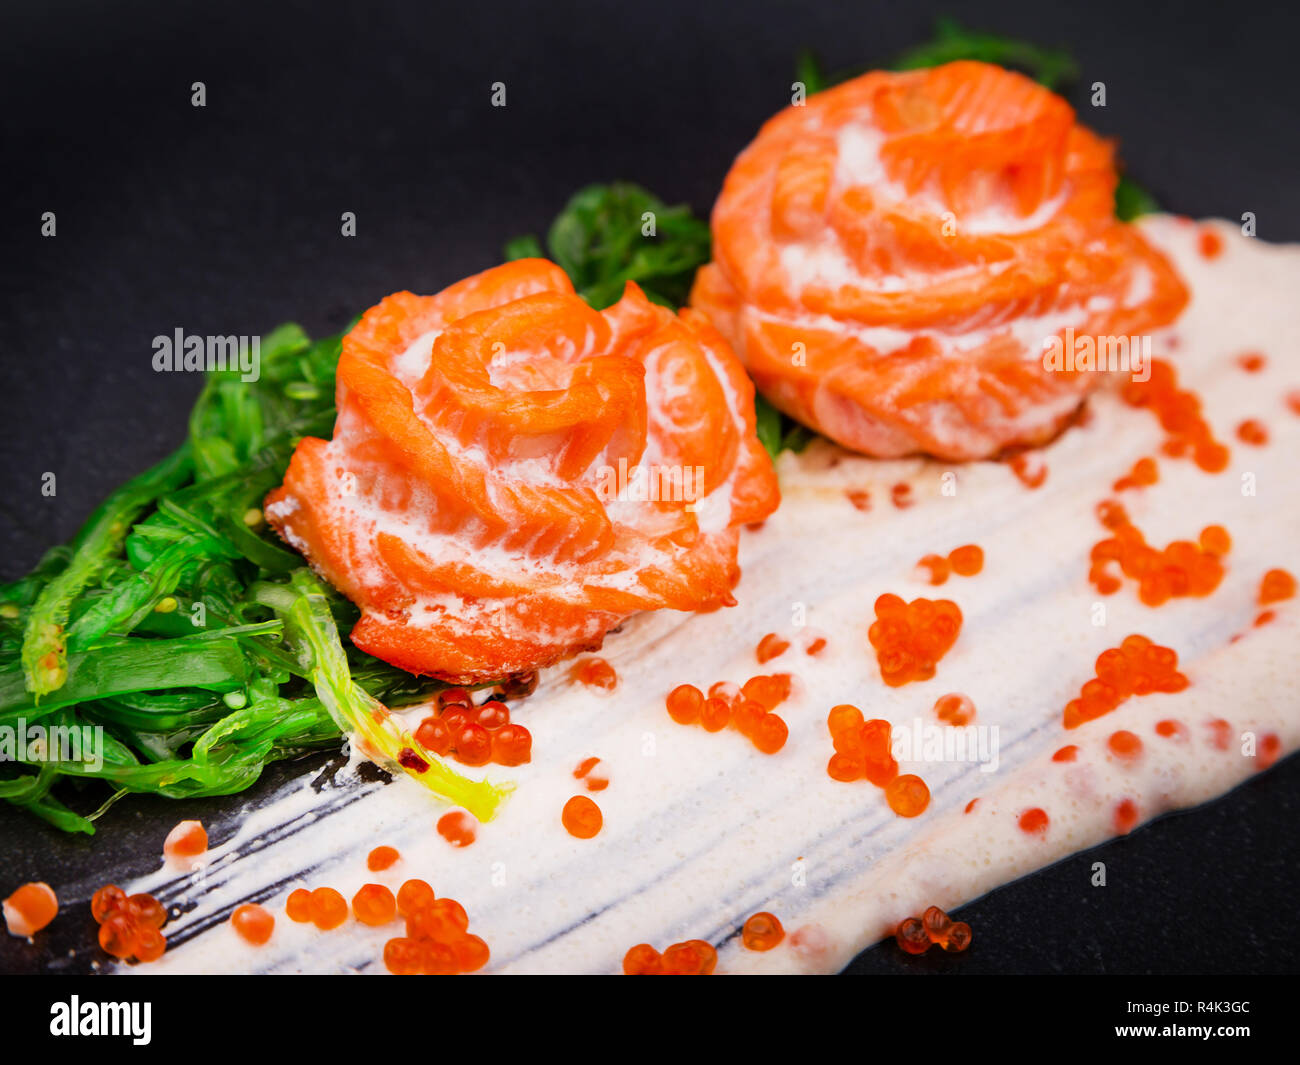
701, 830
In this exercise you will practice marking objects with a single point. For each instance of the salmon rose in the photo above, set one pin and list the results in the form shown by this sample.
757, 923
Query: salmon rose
513, 473
895, 261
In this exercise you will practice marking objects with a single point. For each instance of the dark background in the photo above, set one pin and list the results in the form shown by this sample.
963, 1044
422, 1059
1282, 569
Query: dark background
226, 220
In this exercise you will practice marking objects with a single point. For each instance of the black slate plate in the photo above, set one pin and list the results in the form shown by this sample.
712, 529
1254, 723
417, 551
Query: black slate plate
226, 220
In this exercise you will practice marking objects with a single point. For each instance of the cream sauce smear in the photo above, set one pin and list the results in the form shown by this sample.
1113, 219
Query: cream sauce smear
701, 830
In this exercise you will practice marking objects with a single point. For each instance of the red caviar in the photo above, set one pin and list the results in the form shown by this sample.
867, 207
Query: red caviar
129, 926
938, 566
1144, 472
413, 896
1221, 733
915, 935
186, 841
298, 905
1124, 744
1069, 753
1034, 821
684, 704
748, 708
907, 795
1252, 431
1126, 816
769, 647
762, 931
1276, 586
512, 745
1209, 243
911, 936
816, 646
581, 817
967, 560
1180, 569
1179, 412
583, 773
457, 828
1170, 729
862, 748
1136, 667
253, 923
901, 495
1269, 748
955, 709
492, 715
859, 497
328, 908
1251, 361
695, 957
31, 908
715, 715
381, 858
1293, 401
595, 673
910, 638
642, 960
374, 905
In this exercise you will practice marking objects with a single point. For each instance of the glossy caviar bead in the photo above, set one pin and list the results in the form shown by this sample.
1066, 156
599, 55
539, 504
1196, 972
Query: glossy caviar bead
492, 715
747, 716
726, 690
845, 767
768, 690
1136, 667
771, 646
253, 923
1276, 586
684, 704
912, 936
910, 638
1270, 746
771, 733
150, 944
907, 795
413, 896
815, 646
1253, 432
596, 673
30, 908
434, 736
402, 956
146, 909
937, 568
328, 908
1034, 821
187, 840
437, 958
473, 744
642, 960
1215, 540
458, 828
1066, 754
1170, 729
455, 718
454, 697
959, 937
512, 745
715, 715
967, 560
1251, 361
1124, 744
471, 952
1126, 816
762, 931
297, 906
955, 709
381, 858
581, 817
374, 905
695, 957
105, 901
937, 925
844, 718
443, 920
117, 935
1031, 472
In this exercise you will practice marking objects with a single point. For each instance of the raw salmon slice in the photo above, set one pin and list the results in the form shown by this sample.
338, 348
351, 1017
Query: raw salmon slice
893, 257
513, 473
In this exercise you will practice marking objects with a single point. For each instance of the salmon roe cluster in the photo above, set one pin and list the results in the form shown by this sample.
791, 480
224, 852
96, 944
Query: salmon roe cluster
129, 926
910, 638
694, 957
862, 749
748, 708
1179, 413
1144, 473
1136, 667
438, 941
324, 907
1180, 569
474, 735
965, 561
31, 908
916, 935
